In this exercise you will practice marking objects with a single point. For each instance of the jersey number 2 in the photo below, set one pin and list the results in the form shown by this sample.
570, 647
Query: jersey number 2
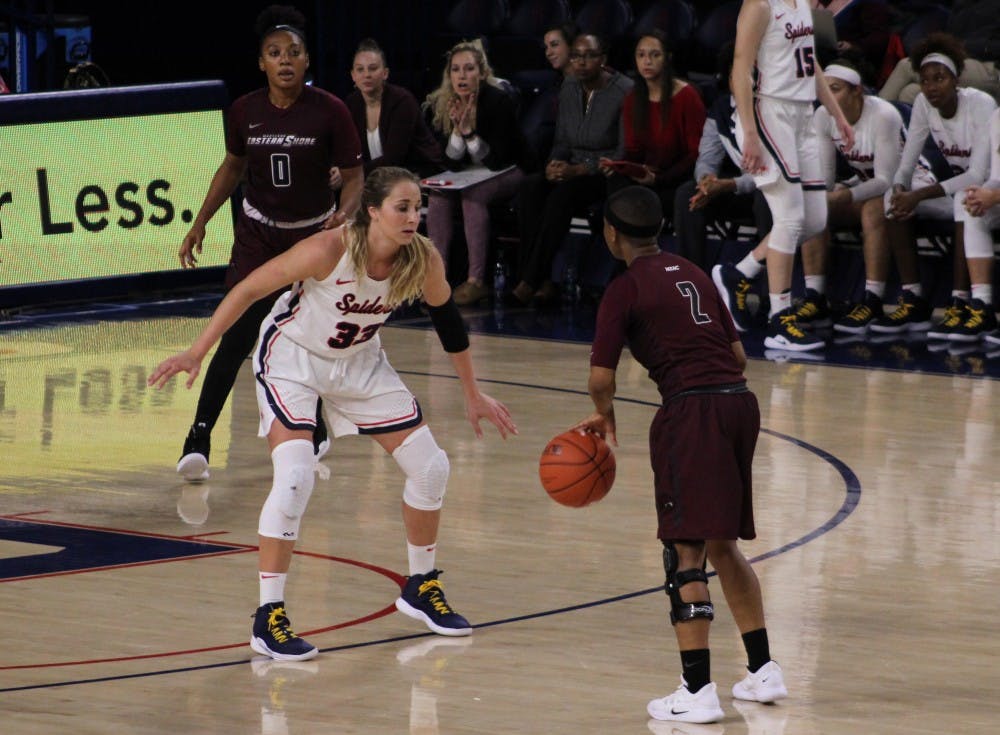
805, 64
689, 292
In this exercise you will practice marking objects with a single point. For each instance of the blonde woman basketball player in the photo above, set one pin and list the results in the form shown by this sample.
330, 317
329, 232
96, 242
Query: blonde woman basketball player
321, 341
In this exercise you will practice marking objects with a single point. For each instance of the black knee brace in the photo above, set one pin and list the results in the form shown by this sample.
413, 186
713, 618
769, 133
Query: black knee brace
681, 611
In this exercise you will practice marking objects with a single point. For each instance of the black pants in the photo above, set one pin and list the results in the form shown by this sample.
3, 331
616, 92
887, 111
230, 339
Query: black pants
234, 347
690, 227
545, 212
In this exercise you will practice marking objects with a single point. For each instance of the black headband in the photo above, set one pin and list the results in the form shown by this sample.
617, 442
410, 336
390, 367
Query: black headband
284, 27
628, 228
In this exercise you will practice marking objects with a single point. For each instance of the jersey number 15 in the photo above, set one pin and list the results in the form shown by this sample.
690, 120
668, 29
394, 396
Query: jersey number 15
805, 64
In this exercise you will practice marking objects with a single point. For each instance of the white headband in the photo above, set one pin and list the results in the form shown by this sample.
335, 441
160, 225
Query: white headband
843, 72
939, 59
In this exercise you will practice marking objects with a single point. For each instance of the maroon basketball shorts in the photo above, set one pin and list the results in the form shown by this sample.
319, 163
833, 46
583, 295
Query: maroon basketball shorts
256, 243
701, 447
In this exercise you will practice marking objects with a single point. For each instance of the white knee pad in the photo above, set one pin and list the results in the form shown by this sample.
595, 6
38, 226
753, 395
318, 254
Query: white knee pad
816, 213
787, 205
426, 467
294, 478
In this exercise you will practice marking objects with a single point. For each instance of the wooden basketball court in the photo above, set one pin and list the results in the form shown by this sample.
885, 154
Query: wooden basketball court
127, 593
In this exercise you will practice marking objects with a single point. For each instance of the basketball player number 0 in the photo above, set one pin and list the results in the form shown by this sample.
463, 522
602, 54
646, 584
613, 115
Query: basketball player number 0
281, 169
690, 292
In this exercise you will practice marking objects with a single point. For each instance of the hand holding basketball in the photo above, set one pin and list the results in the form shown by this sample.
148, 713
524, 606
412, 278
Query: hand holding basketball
577, 468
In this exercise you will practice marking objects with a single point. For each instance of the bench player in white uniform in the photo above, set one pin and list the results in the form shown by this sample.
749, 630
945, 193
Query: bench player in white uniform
862, 200
776, 79
958, 120
984, 201
321, 341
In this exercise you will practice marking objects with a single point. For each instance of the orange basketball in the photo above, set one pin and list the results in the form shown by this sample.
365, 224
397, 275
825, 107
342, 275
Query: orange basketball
577, 469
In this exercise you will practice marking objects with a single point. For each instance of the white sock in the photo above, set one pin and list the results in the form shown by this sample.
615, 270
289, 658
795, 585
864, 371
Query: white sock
963, 295
272, 587
749, 266
914, 288
983, 292
780, 302
816, 283
421, 557
876, 287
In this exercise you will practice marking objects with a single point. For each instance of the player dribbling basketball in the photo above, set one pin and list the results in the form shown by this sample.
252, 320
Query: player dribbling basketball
701, 441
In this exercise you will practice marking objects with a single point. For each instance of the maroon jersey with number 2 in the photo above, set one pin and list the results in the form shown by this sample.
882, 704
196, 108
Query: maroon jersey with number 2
290, 151
703, 437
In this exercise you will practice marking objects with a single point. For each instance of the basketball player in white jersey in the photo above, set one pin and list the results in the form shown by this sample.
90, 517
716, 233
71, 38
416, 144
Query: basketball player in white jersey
958, 120
321, 341
984, 201
862, 200
776, 79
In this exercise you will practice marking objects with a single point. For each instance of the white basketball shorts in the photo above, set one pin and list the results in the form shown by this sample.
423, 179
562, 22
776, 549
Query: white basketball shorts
362, 394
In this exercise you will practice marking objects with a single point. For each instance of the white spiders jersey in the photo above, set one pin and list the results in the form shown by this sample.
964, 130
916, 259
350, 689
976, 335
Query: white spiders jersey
335, 317
785, 67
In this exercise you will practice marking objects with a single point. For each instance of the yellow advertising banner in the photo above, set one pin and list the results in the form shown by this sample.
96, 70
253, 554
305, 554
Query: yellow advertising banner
106, 197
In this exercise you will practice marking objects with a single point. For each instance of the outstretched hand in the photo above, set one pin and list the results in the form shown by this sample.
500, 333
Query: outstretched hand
182, 362
485, 407
598, 423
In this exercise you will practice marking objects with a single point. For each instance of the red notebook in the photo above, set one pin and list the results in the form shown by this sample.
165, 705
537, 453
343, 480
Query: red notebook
628, 168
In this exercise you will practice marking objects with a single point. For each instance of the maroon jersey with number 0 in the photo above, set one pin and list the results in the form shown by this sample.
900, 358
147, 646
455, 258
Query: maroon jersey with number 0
290, 151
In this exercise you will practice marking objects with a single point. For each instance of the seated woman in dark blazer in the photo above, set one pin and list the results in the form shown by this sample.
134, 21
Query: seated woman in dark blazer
388, 119
477, 121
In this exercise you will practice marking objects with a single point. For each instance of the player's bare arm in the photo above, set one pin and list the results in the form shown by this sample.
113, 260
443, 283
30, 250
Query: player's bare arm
602, 388
750, 27
478, 405
315, 257
224, 183
828, 101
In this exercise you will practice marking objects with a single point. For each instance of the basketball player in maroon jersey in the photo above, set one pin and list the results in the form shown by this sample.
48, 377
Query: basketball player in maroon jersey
701, 442
281, 140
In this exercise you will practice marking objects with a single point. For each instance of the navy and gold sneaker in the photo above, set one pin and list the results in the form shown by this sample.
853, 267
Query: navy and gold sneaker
980, 320
813, 311
857, 320
784, 333
193, 464
912, 315
734, 287
423, 599
954, 316
272, 635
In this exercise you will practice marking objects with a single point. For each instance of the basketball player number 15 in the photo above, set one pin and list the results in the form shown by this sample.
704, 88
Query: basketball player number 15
805, 64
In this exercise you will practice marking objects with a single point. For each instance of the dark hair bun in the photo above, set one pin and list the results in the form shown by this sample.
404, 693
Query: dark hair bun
279, 15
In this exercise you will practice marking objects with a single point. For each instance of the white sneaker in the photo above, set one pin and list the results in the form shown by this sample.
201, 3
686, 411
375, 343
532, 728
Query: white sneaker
683, 706
193, 467
764, 685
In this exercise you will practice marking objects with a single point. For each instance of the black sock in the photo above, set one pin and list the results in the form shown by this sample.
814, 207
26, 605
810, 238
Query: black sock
697, 668
758, 652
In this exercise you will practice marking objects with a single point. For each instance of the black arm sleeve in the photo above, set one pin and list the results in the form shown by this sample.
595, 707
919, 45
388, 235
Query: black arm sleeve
450, 326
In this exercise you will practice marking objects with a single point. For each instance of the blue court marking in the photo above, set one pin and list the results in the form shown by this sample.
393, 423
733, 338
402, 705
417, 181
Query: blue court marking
852, 498
92, 549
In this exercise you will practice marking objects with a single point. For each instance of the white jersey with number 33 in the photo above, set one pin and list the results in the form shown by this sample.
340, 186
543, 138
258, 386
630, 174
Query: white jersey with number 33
335, 317
786, 58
